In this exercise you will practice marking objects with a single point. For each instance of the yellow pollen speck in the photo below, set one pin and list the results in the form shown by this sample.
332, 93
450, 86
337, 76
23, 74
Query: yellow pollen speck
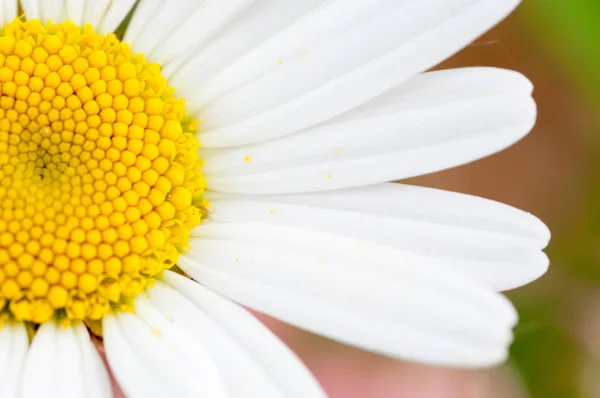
157, 333
100, 181
247, 159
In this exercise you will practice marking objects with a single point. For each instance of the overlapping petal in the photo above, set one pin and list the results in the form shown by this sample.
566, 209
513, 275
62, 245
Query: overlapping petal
497, 244
104, 15
393, 302
62, 362
192, 342
434, 122
336, 58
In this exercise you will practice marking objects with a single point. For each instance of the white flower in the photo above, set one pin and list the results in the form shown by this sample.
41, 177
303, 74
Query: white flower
307, 110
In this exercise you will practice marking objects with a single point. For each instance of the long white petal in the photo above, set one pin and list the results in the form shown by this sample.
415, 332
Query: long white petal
75, 9
115, 14
8, 11
323, 33
238, 373
96, 381
3, 16
133, 374
199, 28
332, 61
498, 245
31, 8
62, 362
95, 11
177, 361
377, 298
256, 24
436, 121
54, 10
104, 15
155, 20
145, 10
14, 343
40, 370
252, 361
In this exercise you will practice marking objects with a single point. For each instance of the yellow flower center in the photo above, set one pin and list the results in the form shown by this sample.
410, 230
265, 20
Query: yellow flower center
100, 181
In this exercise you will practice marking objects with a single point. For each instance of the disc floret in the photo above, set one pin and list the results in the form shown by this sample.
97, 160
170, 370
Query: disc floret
100, 181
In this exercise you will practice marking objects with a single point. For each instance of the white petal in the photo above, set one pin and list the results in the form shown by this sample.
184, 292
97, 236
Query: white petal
436, 121
40, 369
333, 60
251, 360
377, 298
417, 203
143, 13
177, 361
327, 29
96, 380
8, 11
156, 20
115, 14
256, 24
54, 10
75, 9
63, 363
95, 11
199, 28
31, 8
498, 245
104, 15
133, 374
14, 342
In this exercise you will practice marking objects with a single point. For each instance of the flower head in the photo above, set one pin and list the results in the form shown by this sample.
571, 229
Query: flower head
241, 148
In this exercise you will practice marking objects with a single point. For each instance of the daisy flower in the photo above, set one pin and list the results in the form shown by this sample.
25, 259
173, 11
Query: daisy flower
241, 150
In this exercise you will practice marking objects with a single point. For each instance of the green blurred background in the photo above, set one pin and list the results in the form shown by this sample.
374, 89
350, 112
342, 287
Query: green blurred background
553, 173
